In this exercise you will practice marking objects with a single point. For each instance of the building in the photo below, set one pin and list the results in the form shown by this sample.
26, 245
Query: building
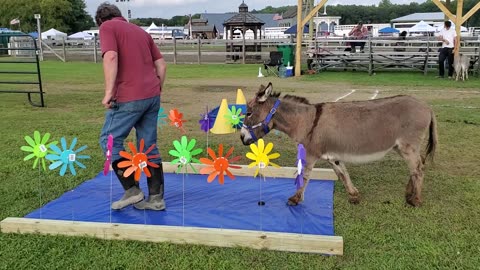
202, 29
406, 22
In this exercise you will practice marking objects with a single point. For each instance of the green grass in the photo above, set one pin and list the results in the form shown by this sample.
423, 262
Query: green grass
380, 233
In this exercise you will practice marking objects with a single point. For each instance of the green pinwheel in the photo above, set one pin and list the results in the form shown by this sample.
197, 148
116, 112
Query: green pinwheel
38, 148
235, 117
185, 153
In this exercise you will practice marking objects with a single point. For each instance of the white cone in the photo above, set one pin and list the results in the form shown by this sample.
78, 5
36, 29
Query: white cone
260, 75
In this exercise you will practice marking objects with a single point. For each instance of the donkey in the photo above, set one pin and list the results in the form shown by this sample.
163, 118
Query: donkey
355, 132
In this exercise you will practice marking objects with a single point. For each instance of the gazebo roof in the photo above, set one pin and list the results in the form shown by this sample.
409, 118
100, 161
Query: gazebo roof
243, 18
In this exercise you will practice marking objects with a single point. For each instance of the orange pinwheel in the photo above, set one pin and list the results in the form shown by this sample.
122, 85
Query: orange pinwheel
138, 161
176, 119
219, 164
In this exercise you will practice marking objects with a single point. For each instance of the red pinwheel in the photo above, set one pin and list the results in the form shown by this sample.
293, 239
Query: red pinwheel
138, 161
219, 164
176, 119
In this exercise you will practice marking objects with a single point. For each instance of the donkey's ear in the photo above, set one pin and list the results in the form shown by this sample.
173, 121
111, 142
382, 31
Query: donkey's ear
264, 92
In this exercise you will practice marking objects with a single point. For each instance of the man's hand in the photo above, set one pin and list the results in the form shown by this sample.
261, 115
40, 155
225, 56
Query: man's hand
106, 101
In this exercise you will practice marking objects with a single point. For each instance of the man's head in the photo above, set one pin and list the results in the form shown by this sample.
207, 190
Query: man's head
448, 24
360, 24
105, 12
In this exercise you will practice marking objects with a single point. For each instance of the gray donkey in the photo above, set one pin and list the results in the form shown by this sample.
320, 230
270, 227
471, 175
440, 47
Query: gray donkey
355, 132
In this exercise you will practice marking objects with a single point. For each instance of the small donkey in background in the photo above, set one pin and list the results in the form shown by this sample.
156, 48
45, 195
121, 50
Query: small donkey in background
461, 63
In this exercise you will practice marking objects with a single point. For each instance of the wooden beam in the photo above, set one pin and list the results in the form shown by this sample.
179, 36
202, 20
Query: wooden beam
291, 242
313, 12
458, 25
470, 12
284, 172
298, 48
444, 9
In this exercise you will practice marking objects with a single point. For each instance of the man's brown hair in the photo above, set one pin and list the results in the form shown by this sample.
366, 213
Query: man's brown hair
105, 12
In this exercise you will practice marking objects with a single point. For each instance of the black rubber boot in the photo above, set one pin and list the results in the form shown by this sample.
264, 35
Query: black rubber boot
132, 194
155, 183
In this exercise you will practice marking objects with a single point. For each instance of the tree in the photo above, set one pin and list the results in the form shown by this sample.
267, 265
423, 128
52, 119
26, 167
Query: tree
65, 15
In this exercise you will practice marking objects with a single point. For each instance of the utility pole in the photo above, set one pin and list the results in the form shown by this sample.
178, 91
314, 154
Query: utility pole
129, 14
39, 30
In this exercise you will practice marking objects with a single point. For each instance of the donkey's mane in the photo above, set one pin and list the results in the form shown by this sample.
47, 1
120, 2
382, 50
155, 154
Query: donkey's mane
297, 99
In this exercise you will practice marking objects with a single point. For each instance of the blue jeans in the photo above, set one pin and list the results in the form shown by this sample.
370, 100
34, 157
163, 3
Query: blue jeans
141, 115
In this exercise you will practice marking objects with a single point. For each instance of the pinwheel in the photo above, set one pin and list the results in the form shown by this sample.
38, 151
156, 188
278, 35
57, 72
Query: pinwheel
235, 117
38, 148
138, 162
219, 165
108, 155
206, 121
161, 117
66, 157
184, 153
301, 162
176, 119
261, 156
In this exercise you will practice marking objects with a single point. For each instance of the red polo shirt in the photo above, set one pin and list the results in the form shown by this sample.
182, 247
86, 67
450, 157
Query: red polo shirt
136, 77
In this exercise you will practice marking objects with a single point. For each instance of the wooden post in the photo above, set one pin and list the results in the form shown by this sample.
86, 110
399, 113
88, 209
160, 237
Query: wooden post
174, 51
244, 53
199, 51
458, 25
425, 68
370, 55
64, 50
478, 62
95, 48
298, 49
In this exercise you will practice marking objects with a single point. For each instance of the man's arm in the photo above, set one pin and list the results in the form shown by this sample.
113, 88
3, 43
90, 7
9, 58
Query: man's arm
161, 68
110, 69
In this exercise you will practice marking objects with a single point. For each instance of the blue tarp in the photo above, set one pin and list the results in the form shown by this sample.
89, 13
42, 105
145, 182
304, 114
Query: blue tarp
388, 30
293, 30
233, 205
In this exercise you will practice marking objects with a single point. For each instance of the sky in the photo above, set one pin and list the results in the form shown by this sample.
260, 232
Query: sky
169, 8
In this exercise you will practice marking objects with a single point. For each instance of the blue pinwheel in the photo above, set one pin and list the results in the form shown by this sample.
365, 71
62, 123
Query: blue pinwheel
207, 120
301, 162
66, 157
161, 117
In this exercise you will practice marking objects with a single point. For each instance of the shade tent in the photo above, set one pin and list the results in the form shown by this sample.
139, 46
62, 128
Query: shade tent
81, 35
422, 27
33, 34
293, 30
388, 30
53, 34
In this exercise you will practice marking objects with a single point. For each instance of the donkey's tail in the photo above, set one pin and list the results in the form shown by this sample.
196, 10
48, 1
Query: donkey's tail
433, 138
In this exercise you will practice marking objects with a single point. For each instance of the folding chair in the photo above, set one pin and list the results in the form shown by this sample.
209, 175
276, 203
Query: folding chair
273, 64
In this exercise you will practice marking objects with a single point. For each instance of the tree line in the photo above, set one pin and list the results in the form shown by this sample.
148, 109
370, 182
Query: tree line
67, 16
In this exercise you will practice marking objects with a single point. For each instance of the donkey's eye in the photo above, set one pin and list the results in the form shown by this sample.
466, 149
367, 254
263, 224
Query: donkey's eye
249, 114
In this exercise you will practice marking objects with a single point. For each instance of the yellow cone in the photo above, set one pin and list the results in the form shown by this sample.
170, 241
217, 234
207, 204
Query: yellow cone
221, 125
240, 97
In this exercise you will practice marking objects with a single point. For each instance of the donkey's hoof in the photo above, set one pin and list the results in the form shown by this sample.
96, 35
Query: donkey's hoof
294, 200
415, 202
354, 200
291, 203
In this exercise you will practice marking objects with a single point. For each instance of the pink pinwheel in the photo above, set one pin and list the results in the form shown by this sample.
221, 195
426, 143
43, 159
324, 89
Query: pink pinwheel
108, 155
301, 161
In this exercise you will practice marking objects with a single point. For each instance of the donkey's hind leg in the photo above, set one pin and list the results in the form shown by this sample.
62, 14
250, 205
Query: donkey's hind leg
342, 173
413, 193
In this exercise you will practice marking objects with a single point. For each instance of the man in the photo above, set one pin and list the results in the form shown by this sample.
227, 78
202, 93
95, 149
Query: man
358, 32
448, 37
134, 72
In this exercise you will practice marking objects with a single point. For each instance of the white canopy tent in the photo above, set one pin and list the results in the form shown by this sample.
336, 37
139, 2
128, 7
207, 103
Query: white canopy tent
53, 34
81, 35
422, 27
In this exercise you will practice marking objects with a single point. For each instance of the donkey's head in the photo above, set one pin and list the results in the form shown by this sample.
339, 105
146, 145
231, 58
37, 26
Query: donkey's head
260, 111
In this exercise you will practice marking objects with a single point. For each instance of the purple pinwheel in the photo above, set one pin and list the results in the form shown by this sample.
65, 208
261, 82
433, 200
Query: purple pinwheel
206, 122
108, 155
301, 162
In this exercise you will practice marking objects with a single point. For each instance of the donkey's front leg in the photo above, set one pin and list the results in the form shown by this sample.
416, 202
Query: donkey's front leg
299, 195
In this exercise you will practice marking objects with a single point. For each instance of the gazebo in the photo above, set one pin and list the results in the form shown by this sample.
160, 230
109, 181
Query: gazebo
239, 24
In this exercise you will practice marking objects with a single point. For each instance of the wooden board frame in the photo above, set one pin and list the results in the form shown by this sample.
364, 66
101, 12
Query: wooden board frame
290, 242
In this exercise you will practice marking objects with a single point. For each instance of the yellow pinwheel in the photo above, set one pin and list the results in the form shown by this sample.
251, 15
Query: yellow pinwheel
261, 156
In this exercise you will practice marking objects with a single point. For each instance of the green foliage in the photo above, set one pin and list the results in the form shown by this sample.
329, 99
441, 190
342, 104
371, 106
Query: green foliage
65, 15
174, 21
